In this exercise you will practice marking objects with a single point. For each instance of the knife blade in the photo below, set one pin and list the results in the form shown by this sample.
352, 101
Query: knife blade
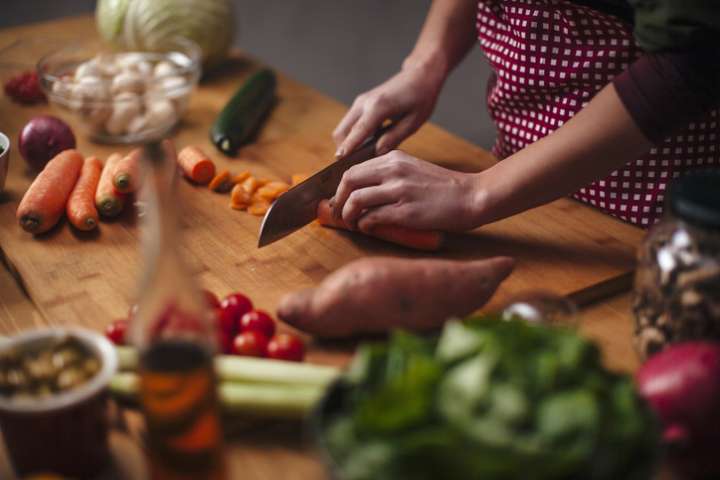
298, 206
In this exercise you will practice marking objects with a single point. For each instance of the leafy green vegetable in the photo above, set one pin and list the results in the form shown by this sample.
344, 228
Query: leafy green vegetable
489, 399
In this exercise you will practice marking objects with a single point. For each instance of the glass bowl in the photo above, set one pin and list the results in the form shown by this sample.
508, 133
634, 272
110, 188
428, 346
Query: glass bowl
121, 97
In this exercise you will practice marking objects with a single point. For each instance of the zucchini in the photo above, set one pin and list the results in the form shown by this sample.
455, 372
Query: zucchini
241, 117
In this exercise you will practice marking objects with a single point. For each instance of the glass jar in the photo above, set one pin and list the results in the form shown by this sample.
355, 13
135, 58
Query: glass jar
677, 285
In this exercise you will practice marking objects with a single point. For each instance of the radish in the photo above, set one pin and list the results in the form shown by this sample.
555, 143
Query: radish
42, 138
682, 385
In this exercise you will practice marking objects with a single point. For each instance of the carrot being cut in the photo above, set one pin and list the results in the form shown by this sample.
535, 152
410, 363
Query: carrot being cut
126, 177
428, 240
44, 202
80, 210
196, 165
109, 201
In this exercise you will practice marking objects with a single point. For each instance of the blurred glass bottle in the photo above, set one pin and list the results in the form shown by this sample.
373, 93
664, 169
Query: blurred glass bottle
174, 332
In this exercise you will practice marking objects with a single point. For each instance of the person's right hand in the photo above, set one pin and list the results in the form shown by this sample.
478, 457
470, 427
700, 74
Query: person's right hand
408, 99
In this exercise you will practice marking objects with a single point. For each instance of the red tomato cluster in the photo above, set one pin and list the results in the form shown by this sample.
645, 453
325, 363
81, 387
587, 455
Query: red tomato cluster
242, 330
25, 88
245, 331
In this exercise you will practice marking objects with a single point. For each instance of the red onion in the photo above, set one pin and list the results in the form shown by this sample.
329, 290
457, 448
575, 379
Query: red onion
682, 385
42, 138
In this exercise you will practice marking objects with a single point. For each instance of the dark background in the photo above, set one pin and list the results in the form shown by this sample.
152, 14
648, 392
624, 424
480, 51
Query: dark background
340, 47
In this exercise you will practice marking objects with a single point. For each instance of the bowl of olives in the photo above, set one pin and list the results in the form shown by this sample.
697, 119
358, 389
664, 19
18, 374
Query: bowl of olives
53, 400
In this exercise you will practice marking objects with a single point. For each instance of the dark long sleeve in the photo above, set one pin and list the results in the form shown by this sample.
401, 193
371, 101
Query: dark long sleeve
665, 91
678, 79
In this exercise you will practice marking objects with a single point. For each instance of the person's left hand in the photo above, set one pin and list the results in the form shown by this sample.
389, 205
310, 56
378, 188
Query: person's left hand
399, 189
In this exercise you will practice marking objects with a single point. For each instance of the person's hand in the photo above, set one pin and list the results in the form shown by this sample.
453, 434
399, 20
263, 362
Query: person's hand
408, 98
398, 189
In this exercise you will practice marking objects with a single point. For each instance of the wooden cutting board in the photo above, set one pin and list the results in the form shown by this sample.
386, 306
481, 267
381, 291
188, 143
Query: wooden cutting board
89, 279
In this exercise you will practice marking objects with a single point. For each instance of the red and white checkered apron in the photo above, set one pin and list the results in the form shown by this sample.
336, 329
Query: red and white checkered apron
550, 58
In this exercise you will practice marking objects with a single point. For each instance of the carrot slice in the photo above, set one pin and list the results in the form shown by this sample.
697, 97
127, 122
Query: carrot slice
126, 177
81, 211
108, 201
272, 190
250, 184
258, 208
196, 165
220, 182
44, 202
241, 177
240, 199
298, 178
428, 240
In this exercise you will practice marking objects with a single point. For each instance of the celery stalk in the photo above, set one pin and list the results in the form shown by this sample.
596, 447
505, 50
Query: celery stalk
252, 399
252, 370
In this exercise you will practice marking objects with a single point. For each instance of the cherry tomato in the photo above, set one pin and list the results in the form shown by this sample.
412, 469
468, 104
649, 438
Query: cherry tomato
236, 305
286, 346
251, 344
227, 322
259, 321
211, 299
115, 332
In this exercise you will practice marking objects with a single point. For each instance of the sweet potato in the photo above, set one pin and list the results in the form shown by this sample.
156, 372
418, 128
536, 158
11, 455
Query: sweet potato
373, 295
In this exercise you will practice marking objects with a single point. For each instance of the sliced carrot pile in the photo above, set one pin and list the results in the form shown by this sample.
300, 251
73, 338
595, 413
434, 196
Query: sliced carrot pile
81, 210
221, 182
195, 165
44, 202
428, 240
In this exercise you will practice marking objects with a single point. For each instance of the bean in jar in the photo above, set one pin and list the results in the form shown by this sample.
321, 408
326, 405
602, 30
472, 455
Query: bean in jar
677, 285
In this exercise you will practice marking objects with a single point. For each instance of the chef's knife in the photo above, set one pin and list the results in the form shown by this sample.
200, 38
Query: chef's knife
298, 206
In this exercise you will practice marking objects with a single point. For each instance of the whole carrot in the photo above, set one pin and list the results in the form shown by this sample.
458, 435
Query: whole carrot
196, 165
126, 177
81, 211
429, 240
107, 200
44, 202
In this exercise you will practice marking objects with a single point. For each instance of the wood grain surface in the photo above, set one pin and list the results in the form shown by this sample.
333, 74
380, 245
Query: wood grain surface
65, 277
89, 279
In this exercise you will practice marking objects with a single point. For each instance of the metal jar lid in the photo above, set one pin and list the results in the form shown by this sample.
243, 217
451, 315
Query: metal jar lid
695, 198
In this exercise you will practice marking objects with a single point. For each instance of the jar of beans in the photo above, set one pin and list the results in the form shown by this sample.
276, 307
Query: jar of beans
677, 285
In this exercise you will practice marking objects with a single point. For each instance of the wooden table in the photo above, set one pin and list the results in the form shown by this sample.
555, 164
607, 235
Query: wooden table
67, 278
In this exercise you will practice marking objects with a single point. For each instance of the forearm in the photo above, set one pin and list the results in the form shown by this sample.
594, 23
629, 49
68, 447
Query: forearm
446, 37
599, 139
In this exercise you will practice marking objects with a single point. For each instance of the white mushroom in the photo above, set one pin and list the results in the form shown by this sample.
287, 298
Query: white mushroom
144, 68
126, 106
87, 69
165, 69
87, 91
160, 113
128, 61
137, 124
127, 82
106, 65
